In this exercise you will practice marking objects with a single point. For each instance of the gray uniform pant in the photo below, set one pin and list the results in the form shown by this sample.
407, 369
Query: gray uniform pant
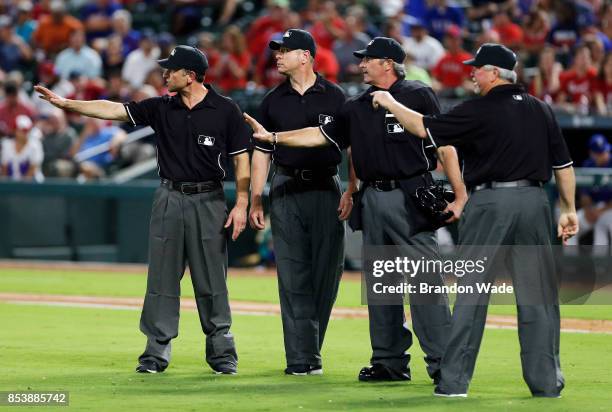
309, 249
187, 229
509, 216
386, 221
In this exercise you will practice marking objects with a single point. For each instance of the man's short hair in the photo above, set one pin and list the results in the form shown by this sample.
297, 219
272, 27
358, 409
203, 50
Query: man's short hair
505, 74
399, 69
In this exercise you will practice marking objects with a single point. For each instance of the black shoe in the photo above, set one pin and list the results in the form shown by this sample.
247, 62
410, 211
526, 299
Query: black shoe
149, 367
381, 373
225, 369
303, 370
441, 393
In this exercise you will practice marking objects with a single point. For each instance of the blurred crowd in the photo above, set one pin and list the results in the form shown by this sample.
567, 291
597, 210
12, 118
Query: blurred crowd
107, 49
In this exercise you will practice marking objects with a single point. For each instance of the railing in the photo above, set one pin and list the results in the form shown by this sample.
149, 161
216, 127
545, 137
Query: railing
105, 147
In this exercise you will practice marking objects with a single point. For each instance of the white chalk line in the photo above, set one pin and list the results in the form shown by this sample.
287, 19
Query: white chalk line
499, 322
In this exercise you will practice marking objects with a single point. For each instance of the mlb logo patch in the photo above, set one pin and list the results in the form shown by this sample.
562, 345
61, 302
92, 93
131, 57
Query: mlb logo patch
395, 128
206, 140
287, 34
325, 118
517, 97
173, 52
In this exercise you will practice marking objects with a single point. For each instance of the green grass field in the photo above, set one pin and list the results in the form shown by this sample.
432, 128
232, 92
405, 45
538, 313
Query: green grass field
92, 352
244, 288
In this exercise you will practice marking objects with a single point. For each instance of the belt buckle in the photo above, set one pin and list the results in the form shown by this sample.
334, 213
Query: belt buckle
377, 185
303, 174
182, 189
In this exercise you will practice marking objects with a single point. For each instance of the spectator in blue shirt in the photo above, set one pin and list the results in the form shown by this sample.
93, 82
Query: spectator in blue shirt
13, 50
96, 133
599, 152
96, 16
122, 26
595, 212
24, 24
441, 16
78, 57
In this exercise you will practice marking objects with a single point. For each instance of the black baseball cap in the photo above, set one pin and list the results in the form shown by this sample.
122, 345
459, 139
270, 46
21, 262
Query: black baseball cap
185, 57
383, 48
295, 39
495, 55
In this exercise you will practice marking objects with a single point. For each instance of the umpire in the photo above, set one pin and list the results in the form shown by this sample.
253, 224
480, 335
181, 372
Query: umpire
307, 209
510, 142
390, 165
197, 130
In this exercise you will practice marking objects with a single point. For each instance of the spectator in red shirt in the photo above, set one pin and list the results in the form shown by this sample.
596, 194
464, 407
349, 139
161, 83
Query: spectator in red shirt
578, 84
536, 31
40, 9
206, 44
329, 26
266, 73
510, 34
603, 92
262, 28
596, 47
10, 108
452, 78
234, 63
326, 64
545, 84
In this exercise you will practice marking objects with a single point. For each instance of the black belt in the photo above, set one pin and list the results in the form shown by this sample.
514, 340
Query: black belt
307, 174
392, 184
383, 185
192, 188
505, 185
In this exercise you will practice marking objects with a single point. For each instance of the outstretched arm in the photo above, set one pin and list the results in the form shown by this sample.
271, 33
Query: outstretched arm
411, 120
101, 109
306, 137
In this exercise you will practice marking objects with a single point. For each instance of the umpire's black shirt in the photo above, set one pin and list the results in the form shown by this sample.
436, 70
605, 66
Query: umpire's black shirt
283, 108
381, 148
503, 136
193, 144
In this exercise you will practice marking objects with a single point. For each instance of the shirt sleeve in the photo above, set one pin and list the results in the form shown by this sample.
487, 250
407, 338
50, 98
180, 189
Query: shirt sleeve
4, 152
337, 131
266, 121
453, 127
144, 112
37, 155
429, 102
239, 133
559, 152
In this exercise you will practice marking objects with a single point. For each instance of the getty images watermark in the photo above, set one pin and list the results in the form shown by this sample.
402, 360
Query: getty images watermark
528, 275
409, 269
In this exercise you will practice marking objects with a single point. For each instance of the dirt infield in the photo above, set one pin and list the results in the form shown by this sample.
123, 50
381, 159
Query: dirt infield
263, 309
238, 307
